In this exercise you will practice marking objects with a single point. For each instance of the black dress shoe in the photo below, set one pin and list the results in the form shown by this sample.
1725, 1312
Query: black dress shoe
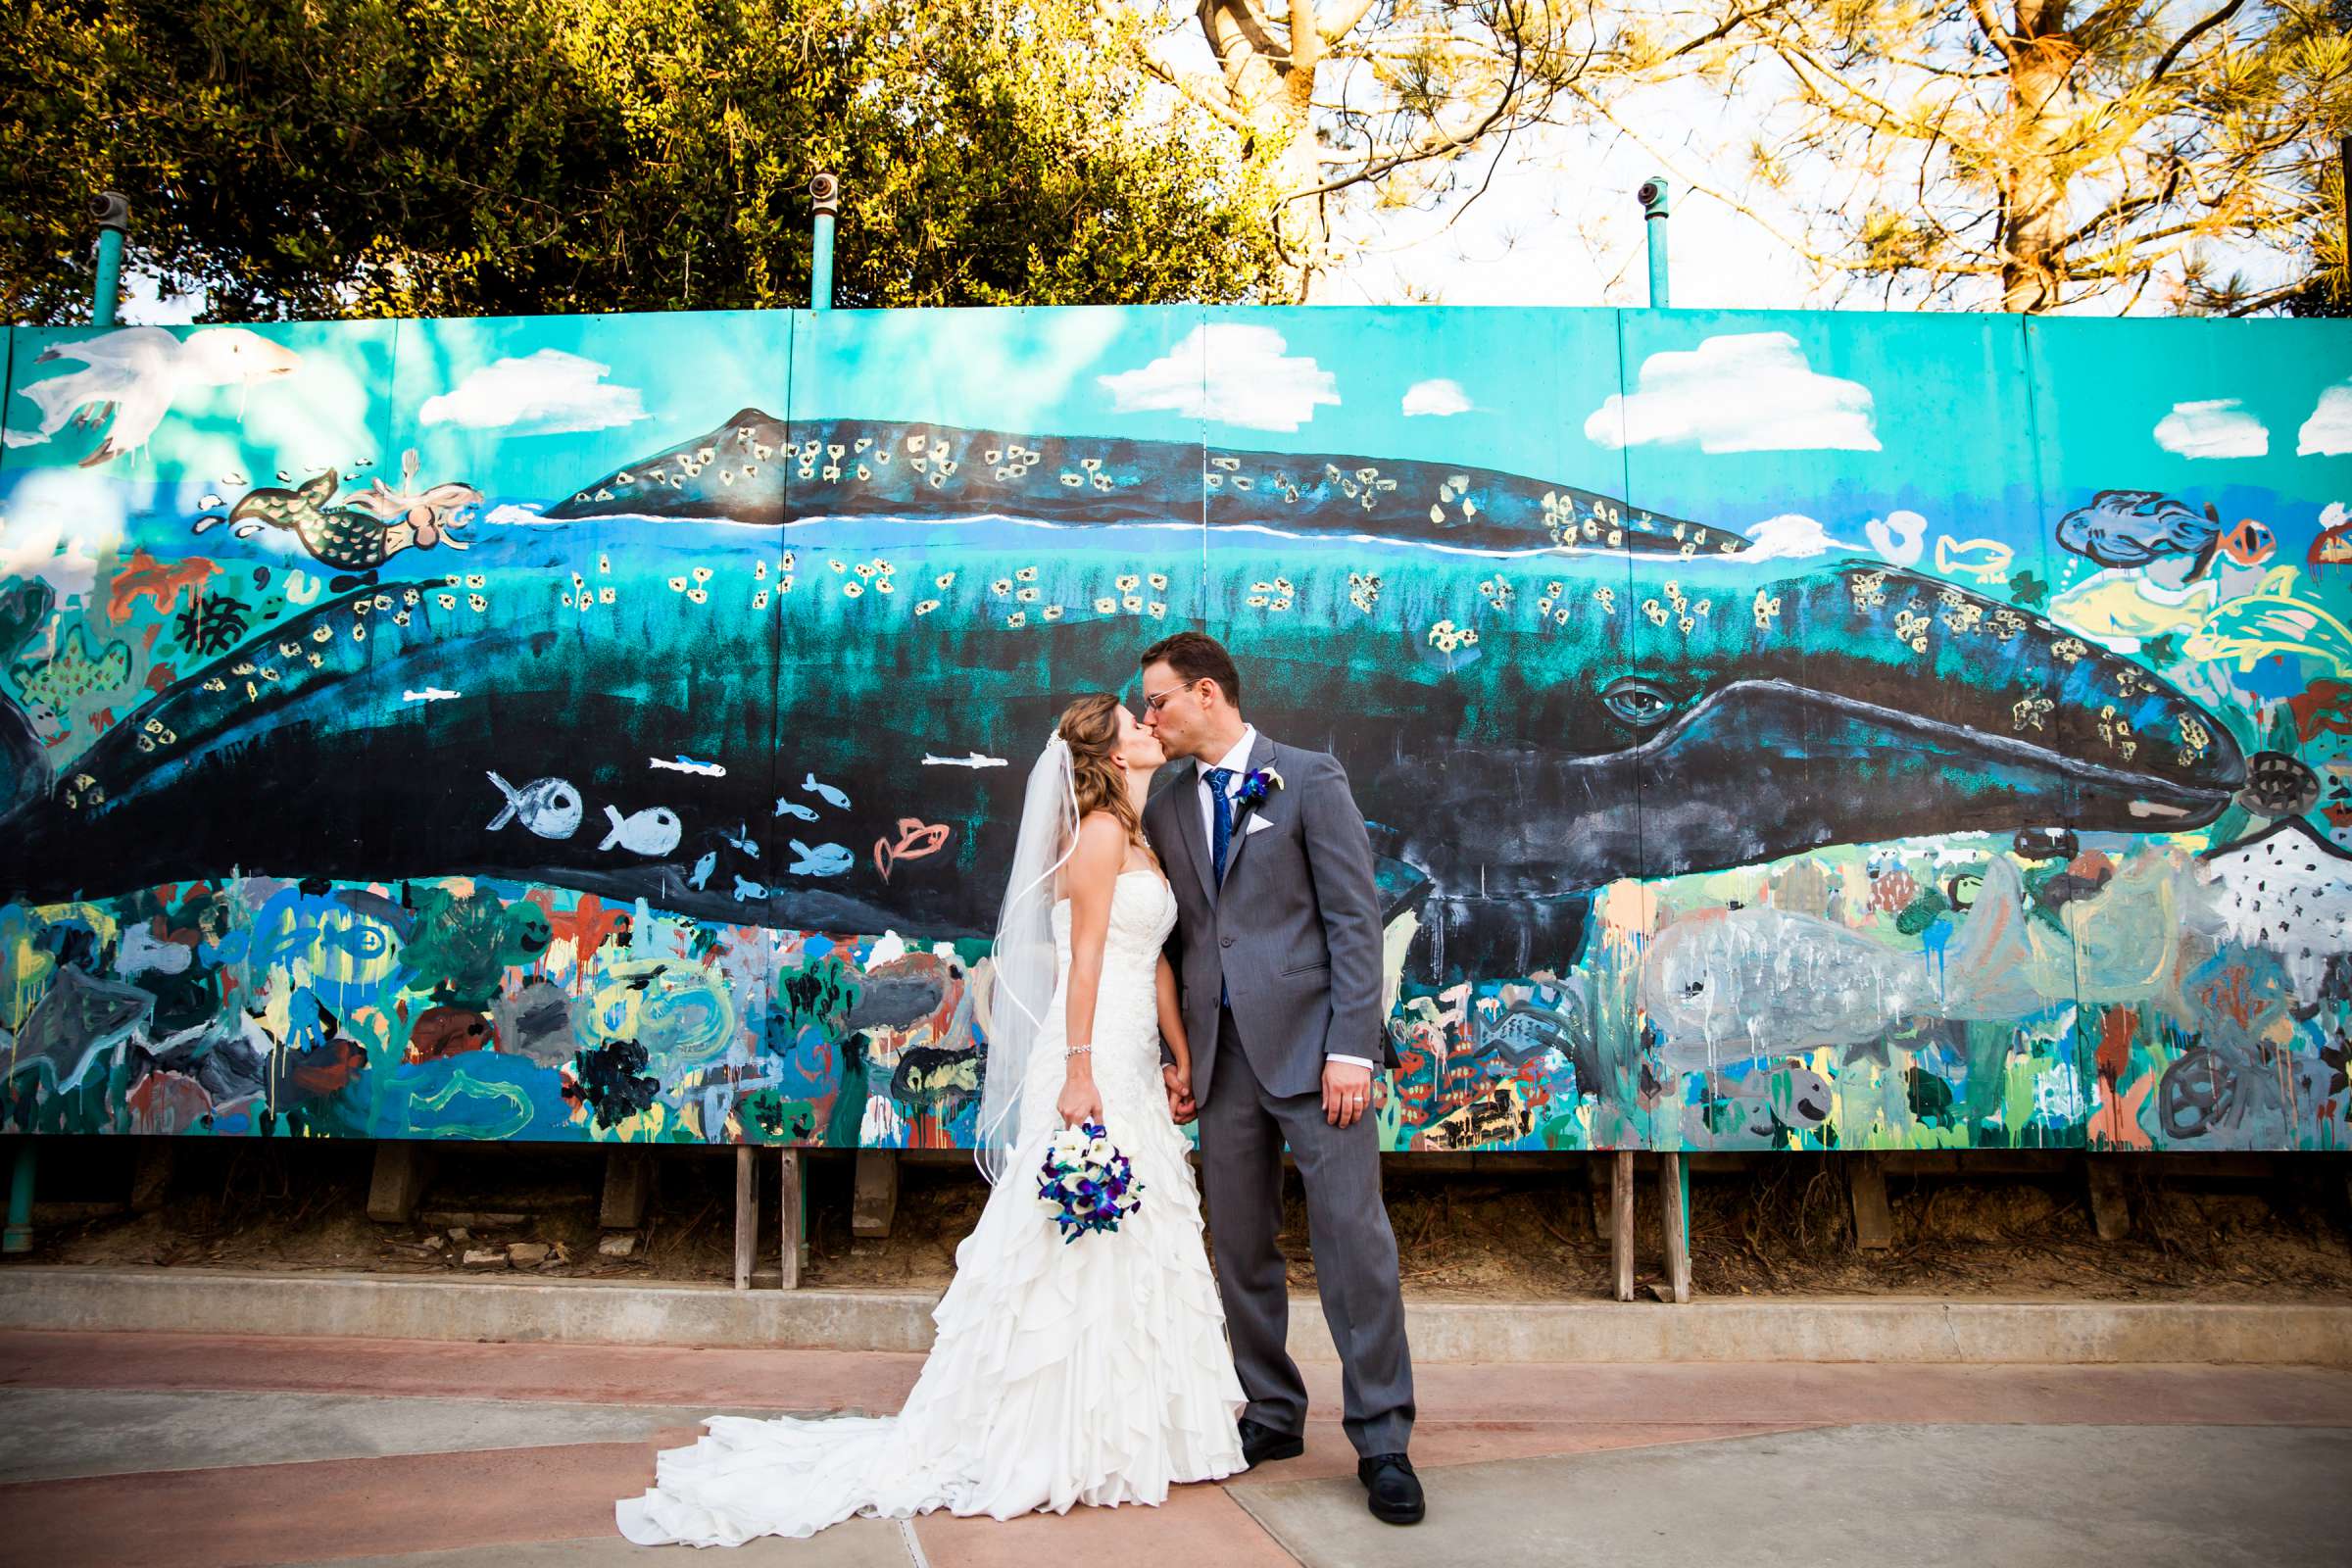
1395, 1492
1261, 1443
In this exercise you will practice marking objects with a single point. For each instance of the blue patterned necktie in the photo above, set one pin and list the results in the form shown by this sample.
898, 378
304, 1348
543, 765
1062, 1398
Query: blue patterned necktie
1220, 779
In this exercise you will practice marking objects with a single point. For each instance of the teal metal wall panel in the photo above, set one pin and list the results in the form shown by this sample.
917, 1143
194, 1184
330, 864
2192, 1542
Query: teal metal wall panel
1777, 730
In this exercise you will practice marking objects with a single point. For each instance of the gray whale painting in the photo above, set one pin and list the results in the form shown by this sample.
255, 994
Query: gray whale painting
655, 777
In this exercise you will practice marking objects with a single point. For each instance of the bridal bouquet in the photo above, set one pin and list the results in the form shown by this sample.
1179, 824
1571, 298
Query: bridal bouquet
1085, 1184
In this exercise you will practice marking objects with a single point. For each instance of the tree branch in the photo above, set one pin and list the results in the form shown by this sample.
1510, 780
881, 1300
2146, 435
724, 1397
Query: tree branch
2165, 62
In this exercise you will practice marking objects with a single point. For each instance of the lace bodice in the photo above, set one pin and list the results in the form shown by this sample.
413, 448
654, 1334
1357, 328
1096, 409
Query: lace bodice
1126, 1033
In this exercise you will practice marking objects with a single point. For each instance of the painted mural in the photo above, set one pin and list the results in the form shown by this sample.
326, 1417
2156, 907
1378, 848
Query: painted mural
1778, 731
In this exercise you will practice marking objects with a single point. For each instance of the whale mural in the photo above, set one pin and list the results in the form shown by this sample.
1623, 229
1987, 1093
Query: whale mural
1741, 708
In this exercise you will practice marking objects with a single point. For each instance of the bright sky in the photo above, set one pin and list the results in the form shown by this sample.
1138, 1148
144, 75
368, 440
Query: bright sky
1557, 223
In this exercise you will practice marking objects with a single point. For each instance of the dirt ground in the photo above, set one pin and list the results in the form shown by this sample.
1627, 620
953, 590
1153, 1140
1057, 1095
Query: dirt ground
1781, 1226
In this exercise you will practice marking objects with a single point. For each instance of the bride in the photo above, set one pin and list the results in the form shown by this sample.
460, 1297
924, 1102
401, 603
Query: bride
1092, 1372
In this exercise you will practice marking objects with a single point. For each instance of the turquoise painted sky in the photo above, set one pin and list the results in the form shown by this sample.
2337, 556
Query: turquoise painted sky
1983, 425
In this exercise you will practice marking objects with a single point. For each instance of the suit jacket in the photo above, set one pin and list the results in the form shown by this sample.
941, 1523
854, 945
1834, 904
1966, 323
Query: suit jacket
1293, 935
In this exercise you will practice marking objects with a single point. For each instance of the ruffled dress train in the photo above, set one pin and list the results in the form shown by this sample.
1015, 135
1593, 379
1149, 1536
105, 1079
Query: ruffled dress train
1095, 1371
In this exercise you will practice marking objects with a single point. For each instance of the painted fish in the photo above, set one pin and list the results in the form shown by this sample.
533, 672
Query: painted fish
652, 831
785, 807
431, 694
687, 764
703, 867
916, 839
2132, 527
825, 792
749, 891
548, 806
2250, 543
826, 859
968, 760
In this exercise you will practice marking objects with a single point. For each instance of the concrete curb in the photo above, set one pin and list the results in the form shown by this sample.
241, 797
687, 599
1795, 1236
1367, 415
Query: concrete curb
1914, 1330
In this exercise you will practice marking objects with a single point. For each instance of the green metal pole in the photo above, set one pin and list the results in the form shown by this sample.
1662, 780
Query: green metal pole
1653, 212
825, 191
112, 213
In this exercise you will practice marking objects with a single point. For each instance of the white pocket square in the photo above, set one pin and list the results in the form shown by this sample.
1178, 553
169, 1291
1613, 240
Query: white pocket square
1258, 824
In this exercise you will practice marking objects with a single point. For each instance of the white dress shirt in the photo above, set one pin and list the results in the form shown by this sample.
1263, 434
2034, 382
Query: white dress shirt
1238, 760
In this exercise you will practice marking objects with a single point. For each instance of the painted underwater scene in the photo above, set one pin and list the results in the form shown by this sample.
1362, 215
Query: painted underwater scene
1775, 731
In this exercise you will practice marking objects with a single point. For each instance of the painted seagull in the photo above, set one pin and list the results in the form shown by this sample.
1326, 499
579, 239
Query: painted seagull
137, 371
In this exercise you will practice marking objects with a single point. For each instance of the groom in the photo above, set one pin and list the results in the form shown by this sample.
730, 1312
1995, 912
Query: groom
1278, 955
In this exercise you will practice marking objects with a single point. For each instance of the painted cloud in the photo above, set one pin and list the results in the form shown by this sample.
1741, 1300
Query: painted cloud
1743, 392
2327, 433
1231, 372
1439, 397
2218, 429
545, 394
1789, 536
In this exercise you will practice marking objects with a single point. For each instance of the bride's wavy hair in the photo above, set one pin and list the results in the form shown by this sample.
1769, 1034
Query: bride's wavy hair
1091, 727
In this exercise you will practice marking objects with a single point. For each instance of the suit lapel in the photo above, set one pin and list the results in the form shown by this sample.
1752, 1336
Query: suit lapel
1186, 807
1261, 754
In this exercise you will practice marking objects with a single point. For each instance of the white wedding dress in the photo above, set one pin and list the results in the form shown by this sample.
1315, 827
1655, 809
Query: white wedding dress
1094, 1371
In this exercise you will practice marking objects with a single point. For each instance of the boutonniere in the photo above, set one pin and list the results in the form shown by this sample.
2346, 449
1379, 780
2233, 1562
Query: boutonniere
1257, 786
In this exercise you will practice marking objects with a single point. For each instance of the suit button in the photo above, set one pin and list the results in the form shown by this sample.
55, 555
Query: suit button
1225, 941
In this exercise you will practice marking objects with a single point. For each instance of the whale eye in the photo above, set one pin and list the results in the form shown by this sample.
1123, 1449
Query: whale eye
1638, 702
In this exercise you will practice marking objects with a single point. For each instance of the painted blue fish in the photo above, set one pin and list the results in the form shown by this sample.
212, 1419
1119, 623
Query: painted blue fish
826, 859
548, 806
825, 792
653, 831
749, 891
785, 807
703, 867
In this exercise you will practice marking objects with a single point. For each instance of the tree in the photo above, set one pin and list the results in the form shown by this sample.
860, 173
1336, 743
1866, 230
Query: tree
1354, 103
2044, 155
325, 158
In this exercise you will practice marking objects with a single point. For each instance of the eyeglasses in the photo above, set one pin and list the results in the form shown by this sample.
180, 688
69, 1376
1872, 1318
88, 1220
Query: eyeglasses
1154, 702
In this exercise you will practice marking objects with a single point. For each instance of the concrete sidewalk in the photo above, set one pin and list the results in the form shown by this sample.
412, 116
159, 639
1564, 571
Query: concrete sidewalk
1888, 1329
201, 1449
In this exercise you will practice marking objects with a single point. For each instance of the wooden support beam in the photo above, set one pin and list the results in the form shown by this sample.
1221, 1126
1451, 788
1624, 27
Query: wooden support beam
1621, 1225
746, 1214
403, 1169
791, 1207
1874, 1221
2110, 1211
874, 1198
628, 1188
1674, 1200
151, 1176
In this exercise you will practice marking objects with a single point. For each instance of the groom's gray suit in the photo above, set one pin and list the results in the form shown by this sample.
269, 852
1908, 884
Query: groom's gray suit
1291, 942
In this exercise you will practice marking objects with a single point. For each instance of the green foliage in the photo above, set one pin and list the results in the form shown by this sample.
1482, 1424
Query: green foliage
329, 158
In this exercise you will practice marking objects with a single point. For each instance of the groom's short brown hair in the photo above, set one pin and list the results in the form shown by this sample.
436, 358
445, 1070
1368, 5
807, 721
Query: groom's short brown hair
1197, 655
